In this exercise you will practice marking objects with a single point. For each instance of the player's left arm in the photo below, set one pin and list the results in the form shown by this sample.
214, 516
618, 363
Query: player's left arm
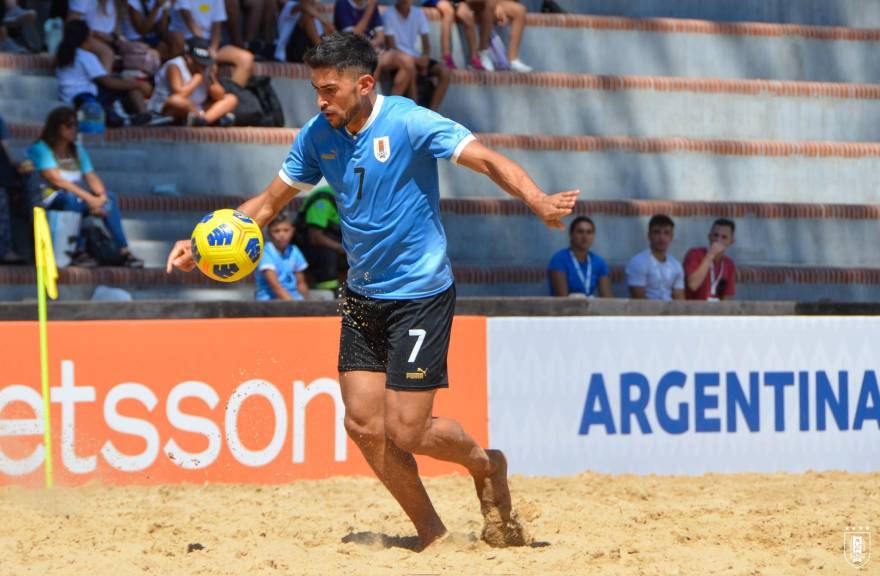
514, 180
267, 204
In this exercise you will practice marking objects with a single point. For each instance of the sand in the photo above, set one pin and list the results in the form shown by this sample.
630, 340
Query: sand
588, 524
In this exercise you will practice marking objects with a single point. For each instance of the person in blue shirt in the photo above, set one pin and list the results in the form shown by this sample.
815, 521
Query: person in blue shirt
280, 273
380, 156
575, 271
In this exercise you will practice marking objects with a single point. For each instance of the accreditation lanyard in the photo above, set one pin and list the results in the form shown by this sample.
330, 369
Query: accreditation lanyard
713, 281
585, 278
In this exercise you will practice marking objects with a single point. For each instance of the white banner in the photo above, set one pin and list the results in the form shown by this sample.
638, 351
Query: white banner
685, 395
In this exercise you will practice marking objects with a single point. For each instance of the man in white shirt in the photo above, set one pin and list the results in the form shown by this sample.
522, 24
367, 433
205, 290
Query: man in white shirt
653, 274
406, 27
205, 18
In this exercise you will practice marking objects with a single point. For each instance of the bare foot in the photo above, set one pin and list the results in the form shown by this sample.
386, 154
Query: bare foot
431, 535
501, 527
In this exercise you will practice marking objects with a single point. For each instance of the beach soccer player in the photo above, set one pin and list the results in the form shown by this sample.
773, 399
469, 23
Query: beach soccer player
380, 156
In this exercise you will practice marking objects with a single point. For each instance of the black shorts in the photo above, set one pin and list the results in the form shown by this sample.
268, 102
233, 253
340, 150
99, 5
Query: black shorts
408, 340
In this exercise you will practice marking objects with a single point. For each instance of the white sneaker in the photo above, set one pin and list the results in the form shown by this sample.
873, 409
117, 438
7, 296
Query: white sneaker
518, 65
486, 60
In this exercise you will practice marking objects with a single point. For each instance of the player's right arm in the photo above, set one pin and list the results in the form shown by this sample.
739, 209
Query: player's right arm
300, 171
262, 208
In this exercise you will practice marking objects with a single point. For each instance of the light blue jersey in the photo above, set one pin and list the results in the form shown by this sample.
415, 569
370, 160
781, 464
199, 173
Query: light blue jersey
388, 194
285, 265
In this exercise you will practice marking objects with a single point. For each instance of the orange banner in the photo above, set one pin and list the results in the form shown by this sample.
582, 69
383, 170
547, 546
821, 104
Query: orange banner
219, 400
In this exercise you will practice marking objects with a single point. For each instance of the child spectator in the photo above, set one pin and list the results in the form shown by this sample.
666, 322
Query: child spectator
300, 27
150, 21
281, 268
205, 18
81, 78
652, 273
575, 271
362, 17
187, 89
406, 26
73, 184
711, 274
451, 10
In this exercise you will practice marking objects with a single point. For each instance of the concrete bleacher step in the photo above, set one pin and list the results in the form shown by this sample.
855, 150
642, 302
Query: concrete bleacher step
492, 233
766, 283
573, 104
241, 161
596, 44
852, 13
642, 106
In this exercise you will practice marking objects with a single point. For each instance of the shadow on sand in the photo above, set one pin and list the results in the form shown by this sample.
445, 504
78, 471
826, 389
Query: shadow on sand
412, 543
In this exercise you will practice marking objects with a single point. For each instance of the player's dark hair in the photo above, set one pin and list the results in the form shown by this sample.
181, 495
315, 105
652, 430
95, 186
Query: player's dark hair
343, 50
660, 221
577, 221
725, 222
282, 218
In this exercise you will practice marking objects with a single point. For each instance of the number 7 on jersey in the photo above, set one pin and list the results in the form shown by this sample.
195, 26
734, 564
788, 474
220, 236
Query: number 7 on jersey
360, 172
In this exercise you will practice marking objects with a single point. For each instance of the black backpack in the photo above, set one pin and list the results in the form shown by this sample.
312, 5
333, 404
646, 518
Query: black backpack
258, 105
99, 244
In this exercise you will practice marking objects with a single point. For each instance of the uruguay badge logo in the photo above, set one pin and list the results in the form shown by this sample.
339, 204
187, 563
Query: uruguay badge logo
382, 148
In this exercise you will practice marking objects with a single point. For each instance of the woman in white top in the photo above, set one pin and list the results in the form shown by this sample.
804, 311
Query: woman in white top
81, 77
187, 89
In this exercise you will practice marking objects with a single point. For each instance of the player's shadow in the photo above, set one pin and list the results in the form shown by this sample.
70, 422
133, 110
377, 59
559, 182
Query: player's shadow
412, 543
375, 540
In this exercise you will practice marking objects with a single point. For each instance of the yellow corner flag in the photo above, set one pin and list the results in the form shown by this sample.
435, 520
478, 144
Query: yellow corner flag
47, 282
45, 255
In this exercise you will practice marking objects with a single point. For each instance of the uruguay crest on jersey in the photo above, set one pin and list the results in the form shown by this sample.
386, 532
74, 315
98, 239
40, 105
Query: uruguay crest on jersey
382, 148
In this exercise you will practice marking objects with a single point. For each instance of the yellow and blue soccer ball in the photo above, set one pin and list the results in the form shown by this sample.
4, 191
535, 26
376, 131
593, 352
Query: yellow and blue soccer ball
227, 245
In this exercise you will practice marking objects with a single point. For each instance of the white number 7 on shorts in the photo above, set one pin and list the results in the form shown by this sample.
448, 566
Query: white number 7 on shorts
420, 335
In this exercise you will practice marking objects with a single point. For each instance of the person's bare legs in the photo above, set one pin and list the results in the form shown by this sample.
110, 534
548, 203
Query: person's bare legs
136, 102
410, 424
178, 108
241, 60
364, 396
253, 19
404, 67
447, 16
516, 13
103, 51
486, 15
220, 108
443, 74
466, 16
233, 21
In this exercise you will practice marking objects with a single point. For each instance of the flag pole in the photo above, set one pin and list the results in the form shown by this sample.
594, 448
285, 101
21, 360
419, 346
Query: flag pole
41, 229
